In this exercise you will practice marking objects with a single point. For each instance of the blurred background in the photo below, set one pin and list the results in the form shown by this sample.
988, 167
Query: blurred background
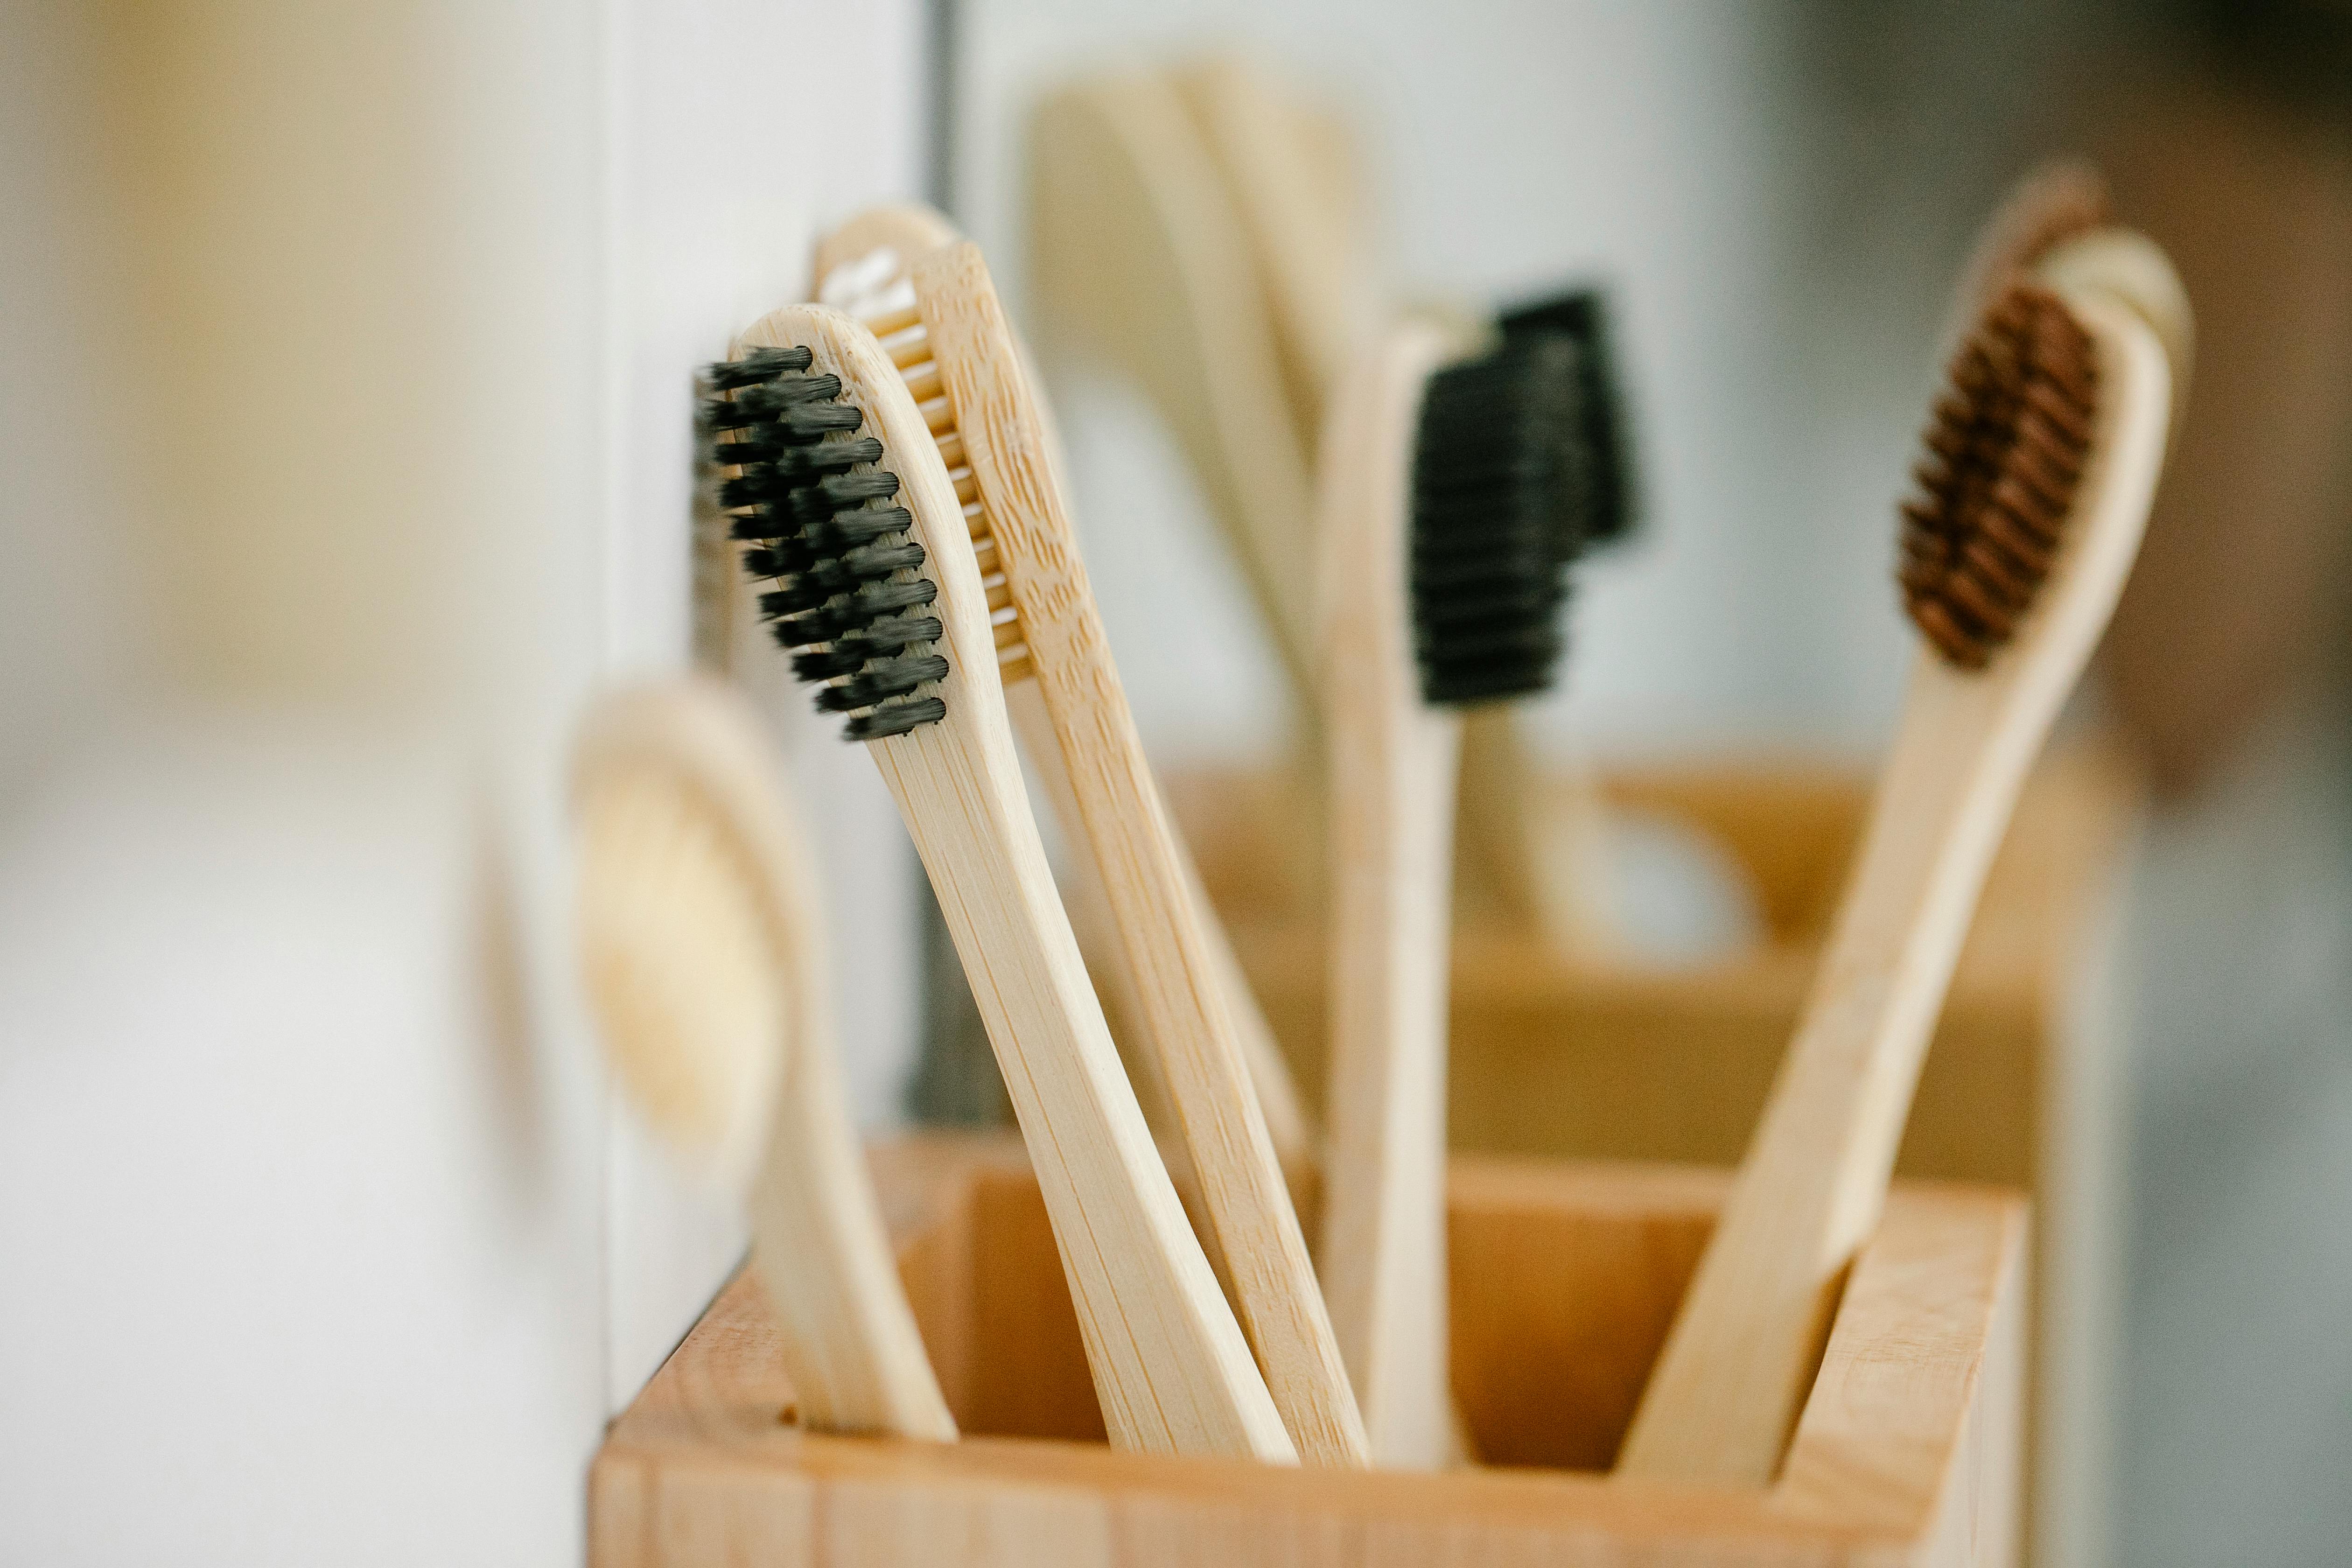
346, 376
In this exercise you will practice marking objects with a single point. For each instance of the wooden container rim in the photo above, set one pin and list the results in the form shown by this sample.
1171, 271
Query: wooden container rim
1884, 1443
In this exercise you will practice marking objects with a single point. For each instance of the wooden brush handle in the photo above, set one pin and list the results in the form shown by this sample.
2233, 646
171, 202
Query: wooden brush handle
855, 1356
1170, 1362
1187, 1016
694, 755
1393, 762
1136, 240
1740, 1357
1533, 838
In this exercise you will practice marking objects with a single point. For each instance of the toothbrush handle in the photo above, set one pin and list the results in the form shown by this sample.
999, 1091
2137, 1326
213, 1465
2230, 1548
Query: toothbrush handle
1094, 759
1737, 1365
1726, 1392
1170, 1364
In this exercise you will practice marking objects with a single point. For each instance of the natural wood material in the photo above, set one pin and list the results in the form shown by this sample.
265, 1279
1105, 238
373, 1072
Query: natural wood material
688, 848
1170, 1365
2135, 269
1179, 987
1720, 1404
1563, 1279
1140, 253
1189, 229
1391, 775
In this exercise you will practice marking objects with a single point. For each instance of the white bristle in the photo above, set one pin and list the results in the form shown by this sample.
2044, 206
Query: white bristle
682, 969
851, 286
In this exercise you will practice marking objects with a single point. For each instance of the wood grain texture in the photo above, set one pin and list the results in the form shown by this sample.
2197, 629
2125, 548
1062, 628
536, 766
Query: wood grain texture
1550, 1056
1391, 775
1909, 1460
850, 1343
1743, 1351
1185, 1012
1170, 1364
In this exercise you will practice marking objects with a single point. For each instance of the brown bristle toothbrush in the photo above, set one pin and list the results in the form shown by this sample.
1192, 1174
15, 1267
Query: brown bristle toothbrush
938, 318
1451, 504
837, 485
702, 941
2041, 459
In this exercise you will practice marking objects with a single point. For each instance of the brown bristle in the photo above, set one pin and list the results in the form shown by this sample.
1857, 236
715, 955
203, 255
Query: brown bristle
2005, 449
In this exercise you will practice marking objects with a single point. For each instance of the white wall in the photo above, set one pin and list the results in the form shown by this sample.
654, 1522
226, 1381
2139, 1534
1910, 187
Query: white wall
347, 376
1512, 146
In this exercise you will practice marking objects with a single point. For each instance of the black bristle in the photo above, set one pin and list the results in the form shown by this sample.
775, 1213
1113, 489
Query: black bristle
1585, 318
1499, 494
880, 681
896, 718
805, 495
756, 366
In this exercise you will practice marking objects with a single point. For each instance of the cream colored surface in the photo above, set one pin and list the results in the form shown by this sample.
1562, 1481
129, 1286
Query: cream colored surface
2135, 269
1287, 169
1392, 771
1170, 1365
1737, 1366
689, 849
1185, 1011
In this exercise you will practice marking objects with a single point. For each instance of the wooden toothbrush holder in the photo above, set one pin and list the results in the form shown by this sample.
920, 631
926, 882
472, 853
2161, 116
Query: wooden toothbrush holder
1565, 1276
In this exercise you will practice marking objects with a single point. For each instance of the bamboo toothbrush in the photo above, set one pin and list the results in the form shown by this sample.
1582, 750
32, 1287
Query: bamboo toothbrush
940, 322
863, 266
701, 943
886, 602
1449, 511
2043, 458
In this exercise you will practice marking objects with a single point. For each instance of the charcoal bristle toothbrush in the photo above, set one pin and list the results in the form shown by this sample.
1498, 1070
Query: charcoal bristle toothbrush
838, 488
1453, 501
